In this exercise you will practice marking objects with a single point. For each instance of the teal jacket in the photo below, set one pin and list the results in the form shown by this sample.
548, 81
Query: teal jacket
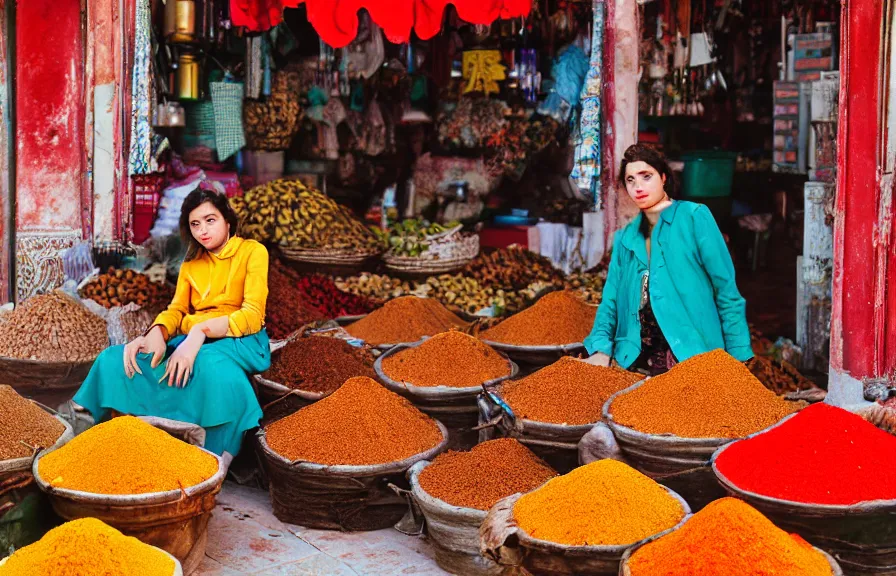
692, 289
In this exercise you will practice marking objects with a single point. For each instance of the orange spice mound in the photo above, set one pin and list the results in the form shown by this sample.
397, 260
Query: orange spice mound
405, 319
450, 359
568, 391
361, 423
711, 395
489, 472
555, 319
126, 456
87, 547
728, 538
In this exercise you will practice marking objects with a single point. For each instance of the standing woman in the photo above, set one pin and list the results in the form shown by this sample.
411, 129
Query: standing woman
193, 364
670, 291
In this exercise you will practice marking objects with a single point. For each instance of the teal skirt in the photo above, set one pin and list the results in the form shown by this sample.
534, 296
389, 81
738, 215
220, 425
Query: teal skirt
219, 396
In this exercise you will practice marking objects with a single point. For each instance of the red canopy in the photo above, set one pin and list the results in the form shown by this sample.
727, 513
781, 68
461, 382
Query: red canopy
337, 20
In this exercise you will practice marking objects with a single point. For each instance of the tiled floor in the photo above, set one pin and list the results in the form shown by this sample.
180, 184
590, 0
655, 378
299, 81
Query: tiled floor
245, 538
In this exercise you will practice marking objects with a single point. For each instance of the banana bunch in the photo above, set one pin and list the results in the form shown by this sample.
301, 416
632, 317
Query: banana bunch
413, 237
288, 213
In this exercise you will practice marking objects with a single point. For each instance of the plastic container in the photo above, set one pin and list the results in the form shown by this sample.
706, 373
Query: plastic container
708, 174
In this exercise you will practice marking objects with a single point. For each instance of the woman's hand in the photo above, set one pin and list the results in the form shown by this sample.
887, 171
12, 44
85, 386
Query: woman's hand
599, 359
180, 364
153, 343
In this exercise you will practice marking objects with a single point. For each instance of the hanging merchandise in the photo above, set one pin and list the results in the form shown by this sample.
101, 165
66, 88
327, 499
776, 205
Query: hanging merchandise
366, 53
272, 123
187, 77
586, 171
569, 73
227, 98
140, 158
254, 74
482, 71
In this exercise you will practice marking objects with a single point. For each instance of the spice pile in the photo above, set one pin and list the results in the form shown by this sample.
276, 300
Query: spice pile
87, 547
605, 503
557, 318
491, 471
513, 268
405, 319
568, 391
321, 293
286, 309
25, 427
451, 359
286, 212
362, 423
728, 538
120, 287
823, 455
52, 328
126, 456
708, 396
318, 364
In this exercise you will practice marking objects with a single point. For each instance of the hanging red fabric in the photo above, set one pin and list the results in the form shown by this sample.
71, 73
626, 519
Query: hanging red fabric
337, 20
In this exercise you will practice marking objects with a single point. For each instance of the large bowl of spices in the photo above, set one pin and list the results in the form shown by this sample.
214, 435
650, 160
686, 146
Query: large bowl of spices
825, 474
307, 369
552, 409
137, 479
553, 327
405, 320
456, 490
443, 376
727, 538
581, 523
331, 463
48, 344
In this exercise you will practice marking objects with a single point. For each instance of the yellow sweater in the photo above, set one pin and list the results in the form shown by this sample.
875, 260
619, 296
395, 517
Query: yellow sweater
233, 283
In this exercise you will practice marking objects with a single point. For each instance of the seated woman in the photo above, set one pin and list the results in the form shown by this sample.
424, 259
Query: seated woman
193, 364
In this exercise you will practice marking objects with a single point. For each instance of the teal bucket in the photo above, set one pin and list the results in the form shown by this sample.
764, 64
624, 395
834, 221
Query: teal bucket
708, 174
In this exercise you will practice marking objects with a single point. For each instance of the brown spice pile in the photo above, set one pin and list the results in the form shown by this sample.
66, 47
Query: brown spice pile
362, 423
568, 391
405, 319
52, 328
22, 421
318, 364
287, 310
450, 359
557, 318
708, 396
491, 471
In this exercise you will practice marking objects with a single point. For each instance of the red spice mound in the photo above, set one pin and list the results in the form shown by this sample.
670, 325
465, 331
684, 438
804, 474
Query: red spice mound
450, 359
287, 310
362, 423
557, 318
405, 319
823, 455
321, 292
491, 471
318, 364
568, 391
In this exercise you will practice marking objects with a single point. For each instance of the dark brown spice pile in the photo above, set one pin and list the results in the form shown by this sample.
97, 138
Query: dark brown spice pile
491, 471
318, 364
21, 421
286, 309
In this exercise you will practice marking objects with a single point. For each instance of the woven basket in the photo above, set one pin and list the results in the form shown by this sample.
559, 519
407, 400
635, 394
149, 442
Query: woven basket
332, 256
449, 253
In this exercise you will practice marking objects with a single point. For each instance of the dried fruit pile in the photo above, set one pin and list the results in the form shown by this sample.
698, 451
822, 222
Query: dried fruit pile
513, 268
121, 287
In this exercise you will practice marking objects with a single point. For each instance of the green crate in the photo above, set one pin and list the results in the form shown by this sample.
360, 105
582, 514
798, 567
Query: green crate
708, 174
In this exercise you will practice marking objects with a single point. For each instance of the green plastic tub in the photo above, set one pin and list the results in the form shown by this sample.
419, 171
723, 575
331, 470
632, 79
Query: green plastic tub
708, 174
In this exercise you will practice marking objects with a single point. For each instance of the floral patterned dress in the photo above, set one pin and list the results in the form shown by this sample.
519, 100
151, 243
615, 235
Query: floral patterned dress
656, 355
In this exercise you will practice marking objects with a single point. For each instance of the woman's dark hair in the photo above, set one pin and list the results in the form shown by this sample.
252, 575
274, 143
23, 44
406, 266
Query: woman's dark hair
194, 200
653, 157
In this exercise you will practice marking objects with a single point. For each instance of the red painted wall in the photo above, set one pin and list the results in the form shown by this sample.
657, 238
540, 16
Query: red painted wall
50, 114
4, 168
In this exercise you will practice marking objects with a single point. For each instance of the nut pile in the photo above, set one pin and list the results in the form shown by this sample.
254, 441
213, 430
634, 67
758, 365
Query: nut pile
286, 212
318, 364
491, 471
52, 328
25, 426
121, 287
513, 268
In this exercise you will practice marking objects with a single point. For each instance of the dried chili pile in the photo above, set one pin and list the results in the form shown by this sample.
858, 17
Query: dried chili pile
321, 293
555, 319
728, 538
126, 456
491, 471
24, 427
362, 423
823, 455
88, 547
708, 396
450, 359
605, 503
287, 310
318, 364
568, 391
405, 319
